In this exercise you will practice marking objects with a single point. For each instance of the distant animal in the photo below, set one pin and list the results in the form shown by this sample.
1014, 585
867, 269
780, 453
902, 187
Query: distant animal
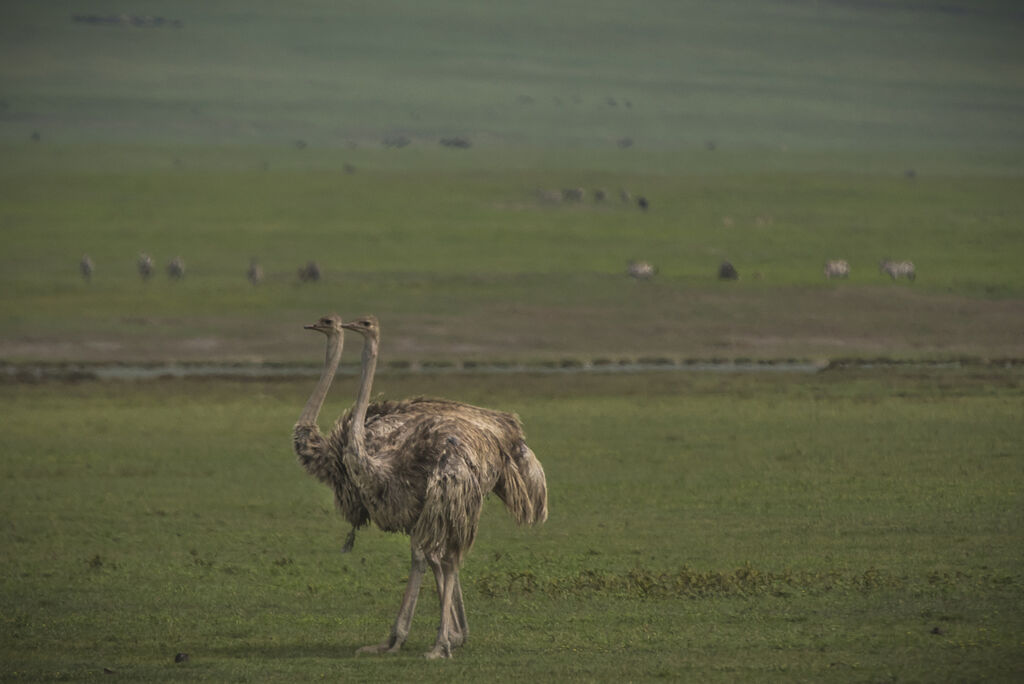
837, 268
599, 195
726, 271
898, 269
625, 196
145, 265
641, 270
421, 467
549, 196
457, 142
310, 273
573, 194
642, 203
86, 267
255, 272
176, 268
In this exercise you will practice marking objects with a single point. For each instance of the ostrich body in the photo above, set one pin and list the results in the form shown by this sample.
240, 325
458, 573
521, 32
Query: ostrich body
421, 467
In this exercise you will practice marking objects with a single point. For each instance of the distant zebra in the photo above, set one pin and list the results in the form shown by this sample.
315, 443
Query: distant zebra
837, 268
728, 272
255, 272
310, 272
573, 194
85, 265
549, 196
898, 269
641, 270
176, 269
145, 265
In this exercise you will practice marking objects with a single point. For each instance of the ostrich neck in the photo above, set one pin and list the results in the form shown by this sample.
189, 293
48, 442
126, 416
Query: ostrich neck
358, 430
311, 412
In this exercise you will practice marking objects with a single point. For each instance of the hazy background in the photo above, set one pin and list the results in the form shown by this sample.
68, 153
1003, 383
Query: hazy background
775, 134
833, 74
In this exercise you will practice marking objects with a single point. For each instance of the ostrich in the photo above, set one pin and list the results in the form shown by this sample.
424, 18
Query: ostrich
86, 266
176, 268
421, 467
255, 272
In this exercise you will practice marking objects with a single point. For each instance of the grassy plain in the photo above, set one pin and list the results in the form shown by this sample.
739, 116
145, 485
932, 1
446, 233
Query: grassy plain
841, 526
228, 138
463, 261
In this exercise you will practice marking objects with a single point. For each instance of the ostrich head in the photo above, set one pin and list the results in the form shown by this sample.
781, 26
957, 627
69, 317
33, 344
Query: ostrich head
329, 325
367, 326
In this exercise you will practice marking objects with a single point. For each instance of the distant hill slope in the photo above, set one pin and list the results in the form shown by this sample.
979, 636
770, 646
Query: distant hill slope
655, 73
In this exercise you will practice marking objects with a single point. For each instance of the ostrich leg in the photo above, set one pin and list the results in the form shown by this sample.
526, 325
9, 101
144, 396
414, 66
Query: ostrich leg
458, 630
446, 573
461, 628
400, 630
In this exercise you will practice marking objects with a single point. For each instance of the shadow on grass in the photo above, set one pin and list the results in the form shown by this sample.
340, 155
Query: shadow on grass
278, 651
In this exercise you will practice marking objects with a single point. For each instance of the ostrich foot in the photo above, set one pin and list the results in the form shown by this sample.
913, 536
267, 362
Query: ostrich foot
446, 648
439, 651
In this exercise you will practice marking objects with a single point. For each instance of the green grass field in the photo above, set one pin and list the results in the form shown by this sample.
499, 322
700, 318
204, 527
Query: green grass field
842, 526
847, 525
460, 262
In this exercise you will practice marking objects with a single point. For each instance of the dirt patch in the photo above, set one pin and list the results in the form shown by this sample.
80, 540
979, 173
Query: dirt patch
644, 322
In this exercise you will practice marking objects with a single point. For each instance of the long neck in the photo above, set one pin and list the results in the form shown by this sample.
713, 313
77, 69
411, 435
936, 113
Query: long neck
358, 429
311, 412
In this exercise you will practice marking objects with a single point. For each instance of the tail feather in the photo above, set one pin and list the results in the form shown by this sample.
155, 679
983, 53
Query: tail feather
523, 488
